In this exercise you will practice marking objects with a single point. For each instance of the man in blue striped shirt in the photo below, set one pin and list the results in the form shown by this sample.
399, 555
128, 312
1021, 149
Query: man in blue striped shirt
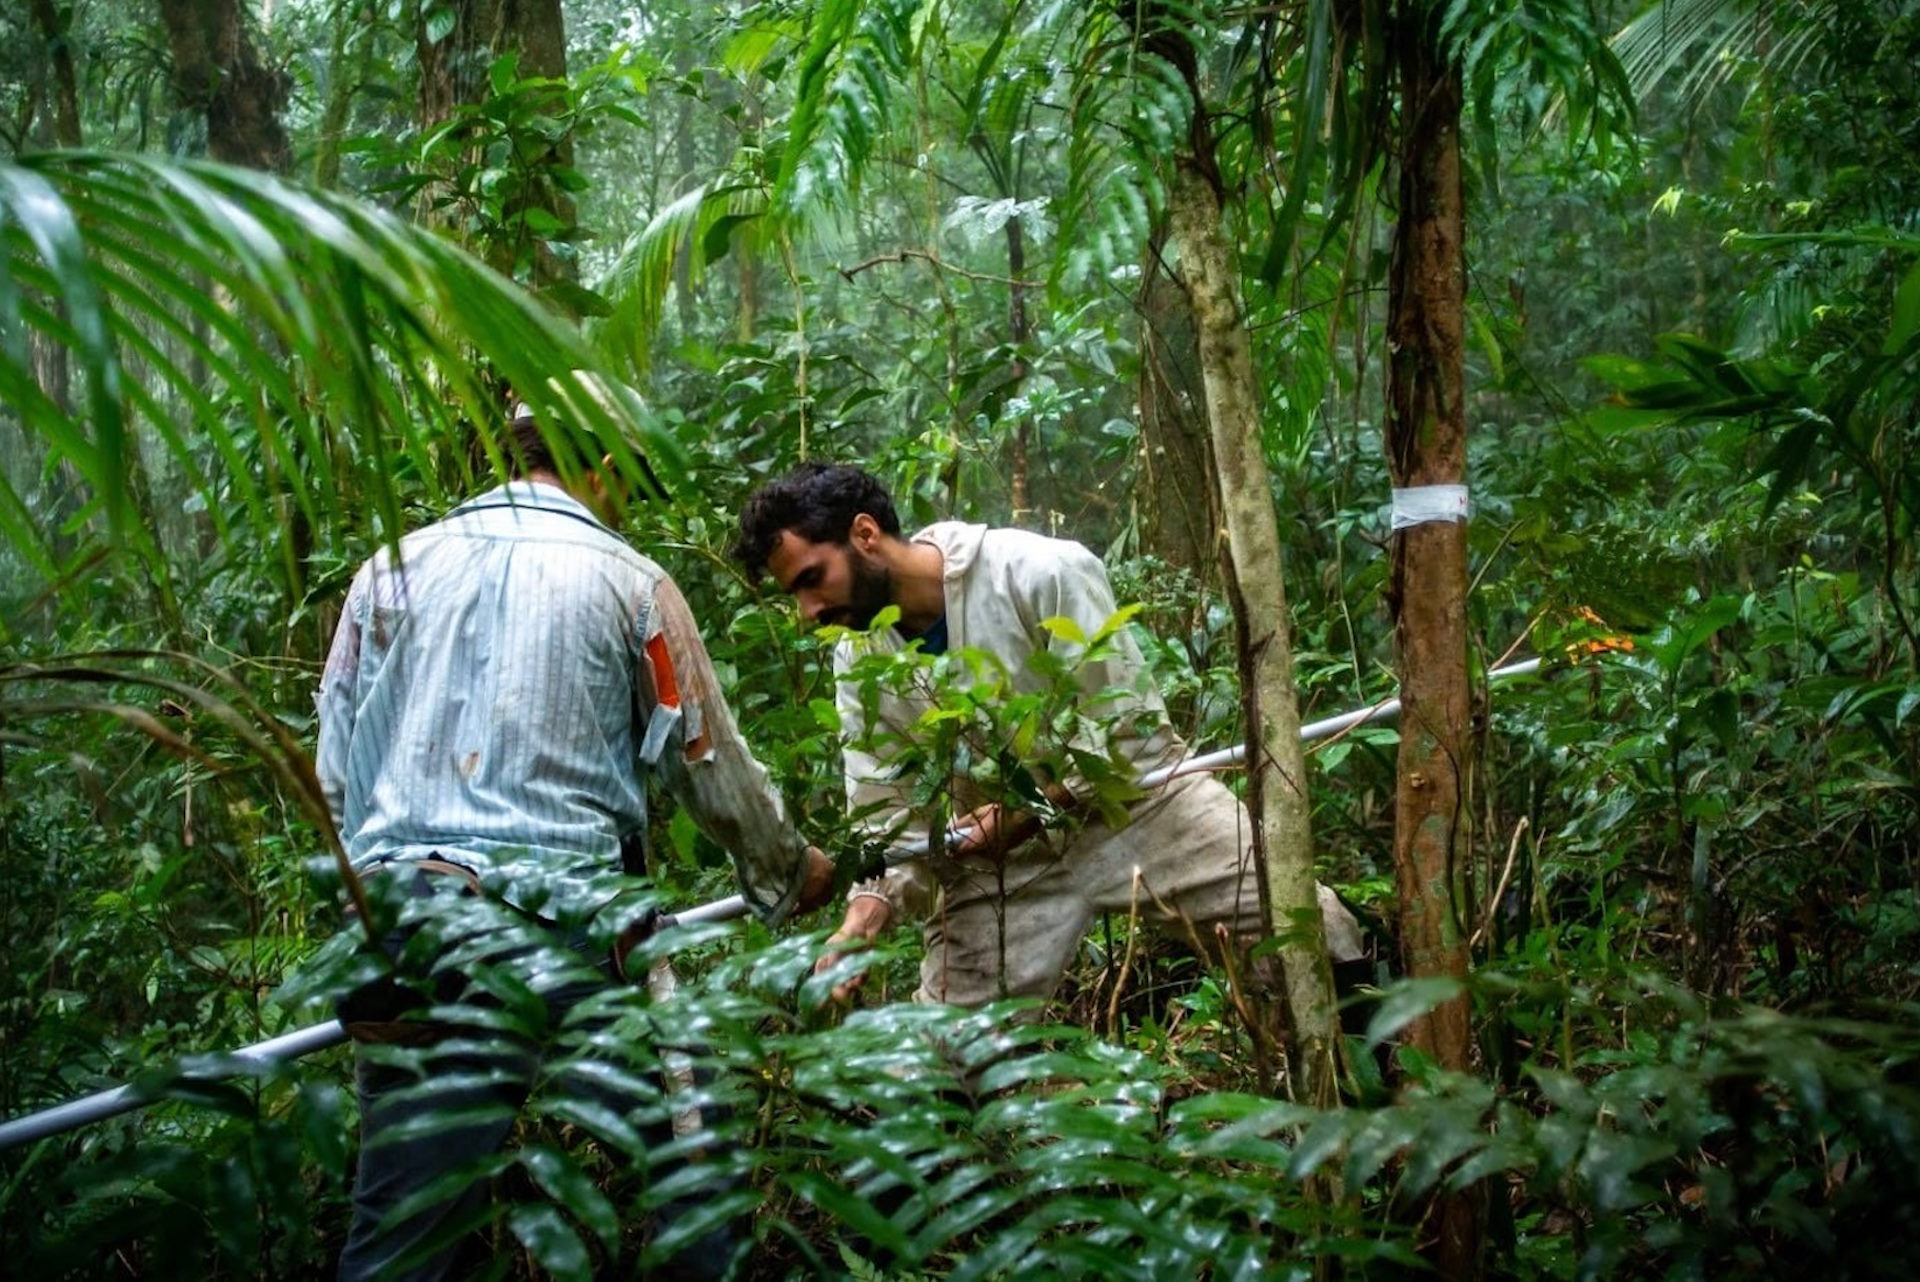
500, 687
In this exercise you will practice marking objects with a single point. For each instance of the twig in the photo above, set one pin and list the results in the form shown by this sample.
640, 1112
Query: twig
1126, 959
1367, 722
1520, 640
1506, 874
935, 261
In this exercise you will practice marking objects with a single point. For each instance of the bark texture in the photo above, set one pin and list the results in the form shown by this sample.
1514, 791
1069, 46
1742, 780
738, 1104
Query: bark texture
1019, 333
54, 25
454, 73
1426, 445
1275, 757
60, 112
1179, 506
453, 68
218, 71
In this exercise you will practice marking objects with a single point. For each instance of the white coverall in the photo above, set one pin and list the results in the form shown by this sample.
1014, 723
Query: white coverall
1190, 840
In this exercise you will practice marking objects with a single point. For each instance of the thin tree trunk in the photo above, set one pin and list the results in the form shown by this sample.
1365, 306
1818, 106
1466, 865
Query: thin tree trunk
686, 162
1426, 445
59, 108
343, 81
217, 70
928, 142
1277, 761
1019, 330
747, 320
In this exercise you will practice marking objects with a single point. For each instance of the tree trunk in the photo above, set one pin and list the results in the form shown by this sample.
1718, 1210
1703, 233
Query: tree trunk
343, 81
1426, 445
52, 118
1019, 330
746, 266
1179, 509
54, 29
686, 162
217, 70
454, 73
1283, 838
537, 28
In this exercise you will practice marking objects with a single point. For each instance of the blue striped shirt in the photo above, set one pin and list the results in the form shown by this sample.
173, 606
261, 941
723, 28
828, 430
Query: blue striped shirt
501, 688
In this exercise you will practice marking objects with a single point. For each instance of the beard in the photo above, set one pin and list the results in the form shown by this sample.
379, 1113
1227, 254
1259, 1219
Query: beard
869, 591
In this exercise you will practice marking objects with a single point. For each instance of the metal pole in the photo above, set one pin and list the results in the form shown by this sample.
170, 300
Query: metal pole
288, 1046
1312, 732
124, 1099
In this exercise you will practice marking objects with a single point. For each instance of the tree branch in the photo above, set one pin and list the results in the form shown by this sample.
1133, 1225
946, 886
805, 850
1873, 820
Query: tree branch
937, 263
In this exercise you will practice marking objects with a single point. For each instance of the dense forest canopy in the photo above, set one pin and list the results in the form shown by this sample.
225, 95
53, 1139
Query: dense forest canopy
1215, 290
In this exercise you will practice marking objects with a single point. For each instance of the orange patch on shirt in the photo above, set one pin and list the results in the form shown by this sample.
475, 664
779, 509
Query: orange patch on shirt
666, 686
666, 689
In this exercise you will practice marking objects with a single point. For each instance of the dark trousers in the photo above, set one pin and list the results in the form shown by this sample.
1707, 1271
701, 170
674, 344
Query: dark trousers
477, 1098
416, 1133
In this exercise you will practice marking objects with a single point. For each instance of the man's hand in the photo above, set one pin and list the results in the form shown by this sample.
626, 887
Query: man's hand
817, 889
866, 918
632, 936
991, 831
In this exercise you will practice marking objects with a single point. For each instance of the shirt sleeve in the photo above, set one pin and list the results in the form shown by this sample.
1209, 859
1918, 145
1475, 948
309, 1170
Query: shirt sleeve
337, 700
878, 801
691, 738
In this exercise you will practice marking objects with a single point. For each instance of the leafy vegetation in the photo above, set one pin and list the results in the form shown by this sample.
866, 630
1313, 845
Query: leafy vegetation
932, 237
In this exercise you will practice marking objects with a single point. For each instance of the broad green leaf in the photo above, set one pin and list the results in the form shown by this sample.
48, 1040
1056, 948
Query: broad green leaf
1322, 1142
1062, 628
1407, 1001
1906, 313
551, 1241
440, 22
1673, 644
568, 1185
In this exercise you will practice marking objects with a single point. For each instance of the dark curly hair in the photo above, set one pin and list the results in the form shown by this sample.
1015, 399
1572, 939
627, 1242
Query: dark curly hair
818, 502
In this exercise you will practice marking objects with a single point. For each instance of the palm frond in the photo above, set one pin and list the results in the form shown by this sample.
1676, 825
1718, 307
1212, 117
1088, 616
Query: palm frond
289, 344
698, 226
857, 52
31, 203
1703, 43
1128, 111
849, 57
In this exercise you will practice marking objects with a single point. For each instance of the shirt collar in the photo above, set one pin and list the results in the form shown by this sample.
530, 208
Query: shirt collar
538, 495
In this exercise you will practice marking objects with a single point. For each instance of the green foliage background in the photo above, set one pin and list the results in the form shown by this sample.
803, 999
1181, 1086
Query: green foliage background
1694, 311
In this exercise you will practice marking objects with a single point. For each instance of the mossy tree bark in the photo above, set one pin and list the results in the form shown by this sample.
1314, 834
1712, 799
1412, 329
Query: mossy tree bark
217, 70
455, 60
1277, 789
